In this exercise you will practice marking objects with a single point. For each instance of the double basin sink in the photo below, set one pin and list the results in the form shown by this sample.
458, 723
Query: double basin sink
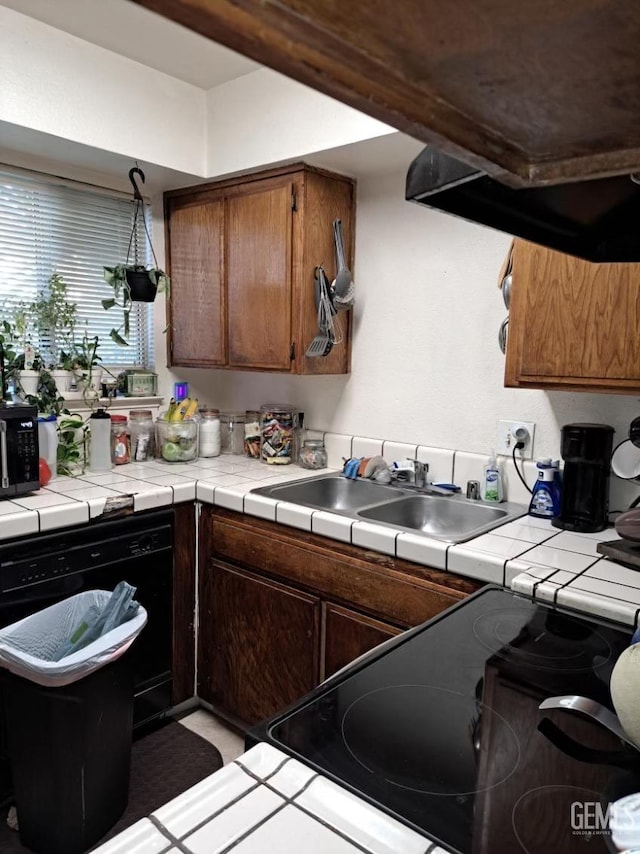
451, 518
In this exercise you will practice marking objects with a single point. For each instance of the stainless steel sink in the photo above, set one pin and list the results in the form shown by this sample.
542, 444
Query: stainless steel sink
438, 516
331, 492
451, 518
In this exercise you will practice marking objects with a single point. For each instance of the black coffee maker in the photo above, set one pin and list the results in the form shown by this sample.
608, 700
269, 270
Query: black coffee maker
584, 503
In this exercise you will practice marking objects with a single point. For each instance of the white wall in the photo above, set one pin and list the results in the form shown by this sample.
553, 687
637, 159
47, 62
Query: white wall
264, 118
426, 365
58, 84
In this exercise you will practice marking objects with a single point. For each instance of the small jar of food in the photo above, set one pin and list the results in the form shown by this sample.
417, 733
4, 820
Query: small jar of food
252, 434
120, 442
313, 454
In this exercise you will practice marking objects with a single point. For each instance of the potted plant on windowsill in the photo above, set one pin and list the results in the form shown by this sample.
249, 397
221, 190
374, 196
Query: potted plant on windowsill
55, 319
133, 281
22, 363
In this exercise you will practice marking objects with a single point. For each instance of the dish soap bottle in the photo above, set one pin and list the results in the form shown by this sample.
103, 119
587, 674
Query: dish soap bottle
492, 480
545, 499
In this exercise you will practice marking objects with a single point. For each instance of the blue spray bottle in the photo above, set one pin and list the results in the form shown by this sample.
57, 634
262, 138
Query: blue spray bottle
545, 500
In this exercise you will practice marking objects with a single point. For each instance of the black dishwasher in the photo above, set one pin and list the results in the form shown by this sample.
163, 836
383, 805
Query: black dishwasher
39, 571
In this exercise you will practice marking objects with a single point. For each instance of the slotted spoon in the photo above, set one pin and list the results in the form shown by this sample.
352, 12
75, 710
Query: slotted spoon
322, 343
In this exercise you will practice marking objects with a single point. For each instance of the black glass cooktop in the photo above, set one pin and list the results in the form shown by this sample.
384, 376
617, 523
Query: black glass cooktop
441, 729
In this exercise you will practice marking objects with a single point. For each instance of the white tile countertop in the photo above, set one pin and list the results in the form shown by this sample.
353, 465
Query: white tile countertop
527, 554
263, 802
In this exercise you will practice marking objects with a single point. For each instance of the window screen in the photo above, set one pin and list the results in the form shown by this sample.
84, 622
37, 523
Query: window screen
49, 226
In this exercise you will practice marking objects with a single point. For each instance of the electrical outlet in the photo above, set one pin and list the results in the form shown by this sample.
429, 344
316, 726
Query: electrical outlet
510, 432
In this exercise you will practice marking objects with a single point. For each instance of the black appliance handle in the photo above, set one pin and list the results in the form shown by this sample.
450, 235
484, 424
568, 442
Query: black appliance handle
4, 462
625, 758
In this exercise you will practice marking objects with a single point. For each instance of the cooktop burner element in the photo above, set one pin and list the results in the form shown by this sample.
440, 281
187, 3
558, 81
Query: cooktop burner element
374, 729
440, 727
540, 817
545, 640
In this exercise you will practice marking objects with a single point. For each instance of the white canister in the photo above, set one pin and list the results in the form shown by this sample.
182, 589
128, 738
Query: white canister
209, 445
48, 441
100, 452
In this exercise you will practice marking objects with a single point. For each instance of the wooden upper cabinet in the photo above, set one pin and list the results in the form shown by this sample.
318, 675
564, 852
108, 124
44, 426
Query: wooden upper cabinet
195, 308
258, 254
242, 255
572, 324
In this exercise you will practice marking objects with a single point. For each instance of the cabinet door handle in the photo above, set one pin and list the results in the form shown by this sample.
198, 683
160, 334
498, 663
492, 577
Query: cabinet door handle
502, 334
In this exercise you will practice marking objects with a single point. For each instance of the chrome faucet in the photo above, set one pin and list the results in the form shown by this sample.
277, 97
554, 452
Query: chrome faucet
420, 473
415, 478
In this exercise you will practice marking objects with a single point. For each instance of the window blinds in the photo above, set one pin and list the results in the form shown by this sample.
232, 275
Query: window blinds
48, 227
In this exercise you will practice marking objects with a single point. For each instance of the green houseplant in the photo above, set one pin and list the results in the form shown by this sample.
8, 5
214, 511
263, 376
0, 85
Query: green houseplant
133, 281
22, 362
55, 319
119, 278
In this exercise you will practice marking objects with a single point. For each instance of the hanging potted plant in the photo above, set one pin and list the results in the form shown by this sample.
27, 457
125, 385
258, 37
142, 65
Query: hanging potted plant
133, 281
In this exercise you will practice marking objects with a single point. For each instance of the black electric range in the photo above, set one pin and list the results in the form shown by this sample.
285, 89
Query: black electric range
442, 728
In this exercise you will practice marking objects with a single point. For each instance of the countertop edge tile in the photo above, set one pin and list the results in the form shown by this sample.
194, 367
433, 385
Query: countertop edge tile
19, 524
260, 505
422, 550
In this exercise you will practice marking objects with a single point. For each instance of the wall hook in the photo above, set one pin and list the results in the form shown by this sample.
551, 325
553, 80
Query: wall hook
136, 192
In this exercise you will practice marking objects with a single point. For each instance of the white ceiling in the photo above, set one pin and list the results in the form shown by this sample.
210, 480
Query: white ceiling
132, 31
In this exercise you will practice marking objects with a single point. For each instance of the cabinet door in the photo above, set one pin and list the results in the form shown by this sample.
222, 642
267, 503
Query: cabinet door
572, 324
259, 643
196, 307
348, 634
258, 260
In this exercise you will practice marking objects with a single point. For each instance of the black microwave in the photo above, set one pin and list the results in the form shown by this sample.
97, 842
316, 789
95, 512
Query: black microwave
19, 455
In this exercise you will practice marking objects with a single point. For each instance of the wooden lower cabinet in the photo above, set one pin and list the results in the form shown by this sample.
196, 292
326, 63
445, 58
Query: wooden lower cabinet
282, 609
260, 643
348, 634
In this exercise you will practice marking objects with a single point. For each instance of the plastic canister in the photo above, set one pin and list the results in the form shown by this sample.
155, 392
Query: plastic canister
100, 449
48, 441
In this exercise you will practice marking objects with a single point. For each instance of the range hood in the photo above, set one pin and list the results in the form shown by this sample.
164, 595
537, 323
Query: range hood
598, 220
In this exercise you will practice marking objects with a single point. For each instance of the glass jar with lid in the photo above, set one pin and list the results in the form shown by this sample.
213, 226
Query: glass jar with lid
252, 434
210, 433
120, 446
313, 454
142, 435
277, 433
232, 432
177, 441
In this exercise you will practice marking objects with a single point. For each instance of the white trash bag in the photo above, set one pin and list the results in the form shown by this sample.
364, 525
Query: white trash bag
28, 648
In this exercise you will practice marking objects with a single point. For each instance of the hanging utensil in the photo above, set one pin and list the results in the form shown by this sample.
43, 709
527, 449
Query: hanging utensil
322, 343
343, 292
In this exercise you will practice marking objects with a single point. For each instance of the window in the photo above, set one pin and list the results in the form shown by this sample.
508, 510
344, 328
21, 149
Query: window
55, 226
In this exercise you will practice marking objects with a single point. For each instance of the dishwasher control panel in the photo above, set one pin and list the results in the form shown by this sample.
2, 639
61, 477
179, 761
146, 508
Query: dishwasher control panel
46, 559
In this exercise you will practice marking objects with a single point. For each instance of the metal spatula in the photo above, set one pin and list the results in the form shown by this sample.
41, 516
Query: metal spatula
322, 343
